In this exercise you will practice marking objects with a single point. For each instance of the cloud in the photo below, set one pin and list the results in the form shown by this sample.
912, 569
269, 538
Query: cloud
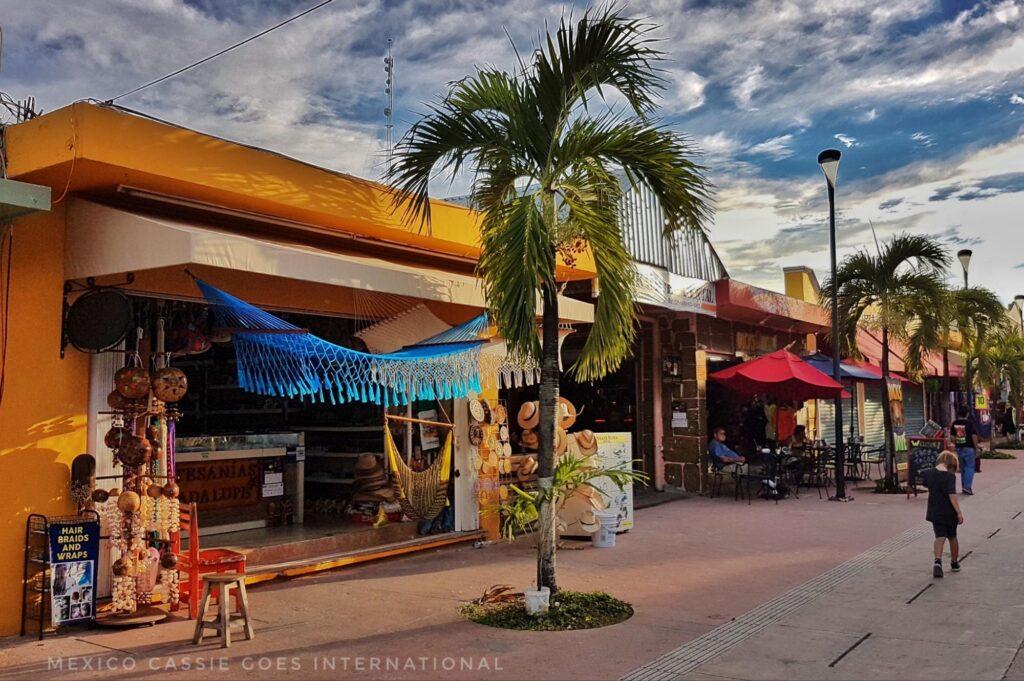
983, 188
870, 115
924, 139
846, 140
685, 91
890, 204
775, 148
1016, 99
748, 86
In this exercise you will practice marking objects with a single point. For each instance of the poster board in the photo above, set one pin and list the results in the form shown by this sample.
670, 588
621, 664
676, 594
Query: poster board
74, 553
616, 449
899, 426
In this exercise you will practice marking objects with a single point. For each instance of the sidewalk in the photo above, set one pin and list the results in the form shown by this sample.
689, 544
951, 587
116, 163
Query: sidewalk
689, 568
882, 615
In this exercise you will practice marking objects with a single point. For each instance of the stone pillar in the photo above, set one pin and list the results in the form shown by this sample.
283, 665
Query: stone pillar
684, 372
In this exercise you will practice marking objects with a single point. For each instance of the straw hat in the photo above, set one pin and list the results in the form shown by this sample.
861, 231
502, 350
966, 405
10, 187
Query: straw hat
366, 462
529, 415
527, 467
566, 413
587, 442
476, 434
530, 439
503, 433
506, 449
561, 441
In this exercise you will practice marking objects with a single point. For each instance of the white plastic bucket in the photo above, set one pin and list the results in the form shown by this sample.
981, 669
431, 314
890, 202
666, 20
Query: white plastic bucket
604, 538
537, 600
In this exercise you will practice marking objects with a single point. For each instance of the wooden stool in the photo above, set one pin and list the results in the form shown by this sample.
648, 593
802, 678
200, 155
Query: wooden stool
223, 583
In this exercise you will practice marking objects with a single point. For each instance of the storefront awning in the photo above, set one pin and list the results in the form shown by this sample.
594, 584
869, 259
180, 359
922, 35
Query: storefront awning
105, 241
870, 345
745, 303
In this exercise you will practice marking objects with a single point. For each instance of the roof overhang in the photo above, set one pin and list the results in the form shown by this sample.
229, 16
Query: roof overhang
740, 302
18, 199
104, 241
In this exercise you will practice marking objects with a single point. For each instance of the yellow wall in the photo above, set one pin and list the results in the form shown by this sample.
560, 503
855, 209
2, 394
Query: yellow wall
44, 410
801, 283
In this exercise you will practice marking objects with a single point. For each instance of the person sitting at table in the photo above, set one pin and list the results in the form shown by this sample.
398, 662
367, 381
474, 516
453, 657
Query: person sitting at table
799, 442
721, 454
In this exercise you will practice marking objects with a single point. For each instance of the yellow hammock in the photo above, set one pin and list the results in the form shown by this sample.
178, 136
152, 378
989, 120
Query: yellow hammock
423, 494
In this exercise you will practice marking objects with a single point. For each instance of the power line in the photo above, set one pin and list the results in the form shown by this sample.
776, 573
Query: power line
224, 51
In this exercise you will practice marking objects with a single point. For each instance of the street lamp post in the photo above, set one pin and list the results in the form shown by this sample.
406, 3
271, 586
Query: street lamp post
829, 162
964, 256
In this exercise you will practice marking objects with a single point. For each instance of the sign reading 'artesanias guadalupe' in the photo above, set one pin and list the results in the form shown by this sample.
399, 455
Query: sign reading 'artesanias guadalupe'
220, 484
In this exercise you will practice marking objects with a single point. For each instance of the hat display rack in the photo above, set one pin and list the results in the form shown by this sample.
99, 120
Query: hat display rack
139, 508
495, 464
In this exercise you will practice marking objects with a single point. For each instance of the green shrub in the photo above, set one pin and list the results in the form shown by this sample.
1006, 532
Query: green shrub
569, 610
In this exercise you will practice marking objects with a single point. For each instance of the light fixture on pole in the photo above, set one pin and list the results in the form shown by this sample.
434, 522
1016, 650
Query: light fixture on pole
1019, 302
964, 257
829, 162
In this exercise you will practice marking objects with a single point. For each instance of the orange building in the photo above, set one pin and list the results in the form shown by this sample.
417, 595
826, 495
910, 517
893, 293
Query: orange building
136, 202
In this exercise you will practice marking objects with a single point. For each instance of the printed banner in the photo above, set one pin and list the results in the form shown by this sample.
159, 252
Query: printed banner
74, 551
899, 428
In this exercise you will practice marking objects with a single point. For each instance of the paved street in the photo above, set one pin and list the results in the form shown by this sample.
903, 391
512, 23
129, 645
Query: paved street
721, 590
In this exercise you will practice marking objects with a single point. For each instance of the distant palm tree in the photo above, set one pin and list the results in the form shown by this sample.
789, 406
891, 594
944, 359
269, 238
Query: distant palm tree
892, 291
999, 357
970, 313
544, 162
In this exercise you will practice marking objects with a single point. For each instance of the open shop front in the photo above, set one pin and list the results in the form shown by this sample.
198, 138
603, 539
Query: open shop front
295, 473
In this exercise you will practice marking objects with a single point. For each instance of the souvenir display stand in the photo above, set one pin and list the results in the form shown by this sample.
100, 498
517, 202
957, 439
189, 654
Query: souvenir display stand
140, 511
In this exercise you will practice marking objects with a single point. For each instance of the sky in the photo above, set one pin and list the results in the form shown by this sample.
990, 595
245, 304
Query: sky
924, 98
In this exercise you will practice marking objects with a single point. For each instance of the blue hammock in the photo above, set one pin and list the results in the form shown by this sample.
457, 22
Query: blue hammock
280, 359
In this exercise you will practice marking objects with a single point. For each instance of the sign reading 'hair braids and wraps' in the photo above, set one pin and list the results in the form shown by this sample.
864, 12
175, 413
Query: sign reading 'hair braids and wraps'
74, 551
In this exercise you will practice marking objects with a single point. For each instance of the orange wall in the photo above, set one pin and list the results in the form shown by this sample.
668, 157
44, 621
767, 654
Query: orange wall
44, 410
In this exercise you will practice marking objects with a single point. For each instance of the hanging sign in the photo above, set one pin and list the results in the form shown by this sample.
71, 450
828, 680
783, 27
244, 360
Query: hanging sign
899, 429
74, 552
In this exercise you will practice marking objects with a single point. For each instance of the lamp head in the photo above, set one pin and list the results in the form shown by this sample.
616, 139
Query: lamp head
1019, 302
829, 162
964, 257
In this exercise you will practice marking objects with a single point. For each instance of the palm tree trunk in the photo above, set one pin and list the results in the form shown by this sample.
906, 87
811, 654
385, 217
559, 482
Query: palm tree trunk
549, 379
891, 475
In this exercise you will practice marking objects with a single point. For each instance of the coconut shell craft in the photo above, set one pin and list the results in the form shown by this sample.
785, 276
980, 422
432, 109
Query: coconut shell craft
132, 382
129, 502
117, 401
168, 561
134, 452
100, 495
154, 491
171, 490
169, 384
116, 437
119, 568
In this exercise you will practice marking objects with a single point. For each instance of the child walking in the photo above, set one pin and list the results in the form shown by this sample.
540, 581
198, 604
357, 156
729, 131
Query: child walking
944, 509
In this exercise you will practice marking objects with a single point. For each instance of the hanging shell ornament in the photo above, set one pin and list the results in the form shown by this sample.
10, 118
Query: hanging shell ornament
129, 502
154, 491
134, 452
132, 382
119, 568
115, 491
169, 384
171, 490
117, 401
168, 561
100, 495
116, 436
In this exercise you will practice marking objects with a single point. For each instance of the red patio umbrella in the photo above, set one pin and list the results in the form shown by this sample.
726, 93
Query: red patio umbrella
782, 375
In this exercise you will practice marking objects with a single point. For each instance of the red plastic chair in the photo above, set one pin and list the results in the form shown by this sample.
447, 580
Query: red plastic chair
194, 562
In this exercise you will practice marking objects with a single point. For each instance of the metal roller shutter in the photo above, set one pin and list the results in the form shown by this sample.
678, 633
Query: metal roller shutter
874, 418
913, 408
826, 418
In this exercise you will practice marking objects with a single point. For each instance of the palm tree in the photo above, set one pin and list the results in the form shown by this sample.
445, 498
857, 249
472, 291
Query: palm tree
970, 313
1000, 357
544, 162
891, 291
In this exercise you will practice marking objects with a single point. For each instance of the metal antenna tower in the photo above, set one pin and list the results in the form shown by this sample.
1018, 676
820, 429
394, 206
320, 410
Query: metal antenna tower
389, 92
